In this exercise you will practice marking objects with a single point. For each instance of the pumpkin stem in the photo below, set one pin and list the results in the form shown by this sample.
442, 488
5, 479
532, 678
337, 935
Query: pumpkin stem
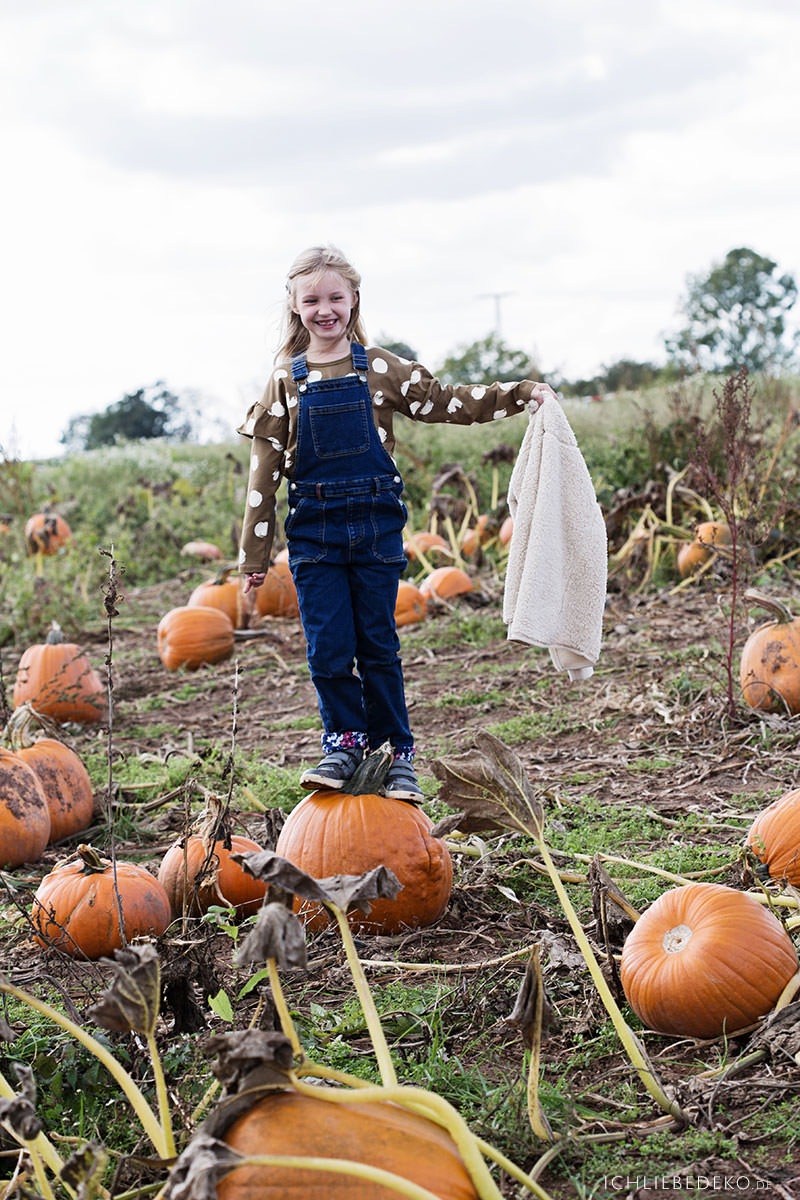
213, 824
19, 732
93, 864
369, 775
778, 609
55, 637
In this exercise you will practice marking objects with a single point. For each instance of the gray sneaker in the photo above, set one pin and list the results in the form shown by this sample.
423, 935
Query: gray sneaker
401, 782
334, 770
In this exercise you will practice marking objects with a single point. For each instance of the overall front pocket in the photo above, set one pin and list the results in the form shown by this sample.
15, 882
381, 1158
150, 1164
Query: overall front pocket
339, 430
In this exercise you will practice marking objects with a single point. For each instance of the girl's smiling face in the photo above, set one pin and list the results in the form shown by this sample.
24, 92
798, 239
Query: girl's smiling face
324, 304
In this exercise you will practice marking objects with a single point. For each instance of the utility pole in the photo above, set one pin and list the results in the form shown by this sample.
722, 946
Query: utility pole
497, 297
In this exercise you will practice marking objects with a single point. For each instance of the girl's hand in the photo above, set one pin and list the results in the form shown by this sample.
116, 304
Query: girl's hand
254, 580
538, 393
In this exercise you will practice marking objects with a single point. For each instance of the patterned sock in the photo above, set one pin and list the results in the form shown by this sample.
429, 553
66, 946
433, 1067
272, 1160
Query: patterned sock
348, 739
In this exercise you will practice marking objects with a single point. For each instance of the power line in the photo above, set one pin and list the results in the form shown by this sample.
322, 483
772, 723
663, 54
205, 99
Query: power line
497, 297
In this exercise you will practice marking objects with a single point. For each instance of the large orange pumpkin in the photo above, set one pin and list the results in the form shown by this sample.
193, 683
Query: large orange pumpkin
24, 815
46, 533
446, 582
75, 907
774, 837
348, 833
705, 959
64, 779
769, 671
193, 635
224, 882
57, 678
277, 596
378, 1134
707, 536
225, 593
411, 605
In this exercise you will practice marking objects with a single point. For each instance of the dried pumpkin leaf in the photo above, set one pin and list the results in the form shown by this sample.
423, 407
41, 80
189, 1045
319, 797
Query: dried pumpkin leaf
239, 1052
277, 933
84, 1170
355, 891
279, 873
532, 1014
131, 1003
489, 783
19, 1111
199, 1169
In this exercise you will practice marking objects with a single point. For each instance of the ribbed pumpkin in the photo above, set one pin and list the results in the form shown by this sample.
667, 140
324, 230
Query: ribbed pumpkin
769, 671
347, 833
432, 545
75, 907
24, 815
707, 536
190, 636
446, 582
277, 596
411, 606
205, 551
224, 592
774, 837
46, 533
226, 883
64, 779
58, 679
705, 959
378, 1134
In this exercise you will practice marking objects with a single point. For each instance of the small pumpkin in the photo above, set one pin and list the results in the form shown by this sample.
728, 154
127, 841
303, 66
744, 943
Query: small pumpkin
774, 837
470, 542
75, 907
506, 530
46, 533
193, 635
411, 605
198, 871
376, 1133
205, 551
705, 959
58, 679
769, 670
430, 544
446, 582
64, 779
277, 596
24, 814
707, 536
224, 592
350, 832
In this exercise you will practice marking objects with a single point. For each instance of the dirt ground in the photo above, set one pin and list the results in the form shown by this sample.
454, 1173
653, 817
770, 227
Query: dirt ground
655, 696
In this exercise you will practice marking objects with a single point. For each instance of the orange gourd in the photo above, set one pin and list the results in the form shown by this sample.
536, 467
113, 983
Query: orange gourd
506, 530
707, 536
470, 542
24, 815
774, 837
350, 832
769, 670
223, 881
65, 781
705, 959
193, 635
411, 606
446, 582
46, 533
205, 551
430, 544
225, 593
75, 906
277, 596
57, 678
376, 1133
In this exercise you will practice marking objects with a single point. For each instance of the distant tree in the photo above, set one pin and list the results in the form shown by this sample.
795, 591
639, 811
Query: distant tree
150, 412
736, 317
401, 349
489, 360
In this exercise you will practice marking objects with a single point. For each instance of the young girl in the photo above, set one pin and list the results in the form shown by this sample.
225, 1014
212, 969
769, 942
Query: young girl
325, 423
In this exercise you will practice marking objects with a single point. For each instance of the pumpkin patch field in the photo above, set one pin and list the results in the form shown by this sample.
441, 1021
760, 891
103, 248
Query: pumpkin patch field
572, 972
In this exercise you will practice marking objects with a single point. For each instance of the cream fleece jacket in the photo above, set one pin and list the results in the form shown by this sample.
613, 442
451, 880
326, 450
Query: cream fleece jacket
557, 564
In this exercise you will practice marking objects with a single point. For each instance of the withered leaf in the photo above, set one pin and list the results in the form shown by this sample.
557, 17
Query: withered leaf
199, 1169
614, 916
238, 1052
533, 1014
269, 866
83, 1171
131, 1003
355, 891
780, 1034
19, 1111
447, 824
278, 934
6, 1032
491, 785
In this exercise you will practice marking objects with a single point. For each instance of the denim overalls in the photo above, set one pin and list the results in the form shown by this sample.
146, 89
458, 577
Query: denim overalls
344, 531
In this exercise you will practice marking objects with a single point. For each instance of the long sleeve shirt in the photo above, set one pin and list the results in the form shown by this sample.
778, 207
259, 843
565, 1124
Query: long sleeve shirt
396, 386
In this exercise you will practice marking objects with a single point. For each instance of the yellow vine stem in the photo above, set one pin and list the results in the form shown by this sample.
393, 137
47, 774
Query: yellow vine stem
162, 1096
144, 1112
41, 1149
341, 1166
426, 1104
282, 1008
421, 968
628, 1038
384, 1058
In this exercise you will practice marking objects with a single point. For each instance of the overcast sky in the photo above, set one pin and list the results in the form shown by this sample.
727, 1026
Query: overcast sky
564, 166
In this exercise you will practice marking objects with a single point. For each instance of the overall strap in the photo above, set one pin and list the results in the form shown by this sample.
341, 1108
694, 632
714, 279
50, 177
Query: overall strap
360, 360
299, 367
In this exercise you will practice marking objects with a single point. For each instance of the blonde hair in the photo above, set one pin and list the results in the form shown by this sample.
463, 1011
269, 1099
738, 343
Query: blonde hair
315, 262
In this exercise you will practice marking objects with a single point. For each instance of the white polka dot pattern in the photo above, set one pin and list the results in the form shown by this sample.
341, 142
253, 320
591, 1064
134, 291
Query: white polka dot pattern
380, 366
255, 498
261, 529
